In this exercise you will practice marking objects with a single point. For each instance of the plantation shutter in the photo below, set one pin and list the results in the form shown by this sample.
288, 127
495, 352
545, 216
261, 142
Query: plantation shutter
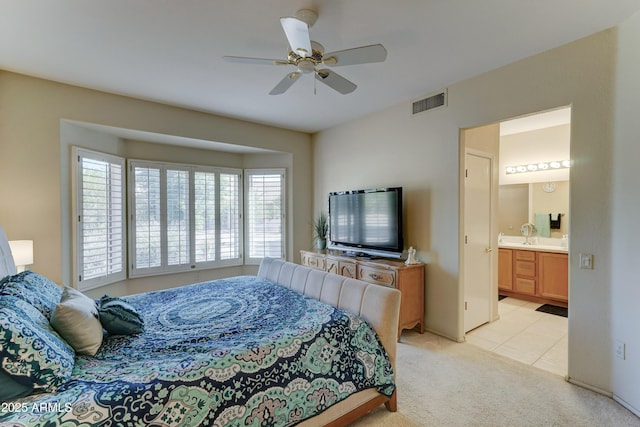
178, 212
146, 218
205, 216
230, 208
100, 232
265, 219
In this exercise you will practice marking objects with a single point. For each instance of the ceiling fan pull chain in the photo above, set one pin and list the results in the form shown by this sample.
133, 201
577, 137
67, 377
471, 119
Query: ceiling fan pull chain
314, 85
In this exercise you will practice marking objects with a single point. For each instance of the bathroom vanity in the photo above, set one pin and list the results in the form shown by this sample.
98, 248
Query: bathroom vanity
537, 273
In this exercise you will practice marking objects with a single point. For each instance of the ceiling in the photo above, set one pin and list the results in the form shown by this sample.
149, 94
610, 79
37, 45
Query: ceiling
171, 51
547, 119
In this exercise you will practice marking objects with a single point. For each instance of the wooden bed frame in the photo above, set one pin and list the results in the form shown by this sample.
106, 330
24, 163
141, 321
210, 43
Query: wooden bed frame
378, 305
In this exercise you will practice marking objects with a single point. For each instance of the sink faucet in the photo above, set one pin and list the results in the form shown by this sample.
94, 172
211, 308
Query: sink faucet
527, 230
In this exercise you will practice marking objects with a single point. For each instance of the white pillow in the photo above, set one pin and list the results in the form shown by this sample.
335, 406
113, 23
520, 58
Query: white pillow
76, 320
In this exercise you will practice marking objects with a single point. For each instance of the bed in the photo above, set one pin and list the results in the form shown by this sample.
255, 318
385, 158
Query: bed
290, 346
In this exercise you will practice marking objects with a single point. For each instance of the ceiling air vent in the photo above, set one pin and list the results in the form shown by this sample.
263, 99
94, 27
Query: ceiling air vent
436, 100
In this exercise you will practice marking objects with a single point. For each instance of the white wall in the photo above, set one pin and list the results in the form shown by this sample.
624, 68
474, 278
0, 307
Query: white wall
623, 216
421, 154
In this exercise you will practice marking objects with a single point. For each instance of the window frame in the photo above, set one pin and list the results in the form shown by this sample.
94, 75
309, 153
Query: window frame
79, 153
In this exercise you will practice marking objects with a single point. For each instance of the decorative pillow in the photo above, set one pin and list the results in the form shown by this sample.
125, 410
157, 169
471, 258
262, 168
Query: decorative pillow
32, 354
33, 288
76, 320
119, 317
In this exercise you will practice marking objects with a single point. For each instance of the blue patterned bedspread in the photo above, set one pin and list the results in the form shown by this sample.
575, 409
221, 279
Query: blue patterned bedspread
231, 352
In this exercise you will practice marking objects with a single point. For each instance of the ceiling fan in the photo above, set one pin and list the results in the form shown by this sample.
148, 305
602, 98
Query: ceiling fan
308, 56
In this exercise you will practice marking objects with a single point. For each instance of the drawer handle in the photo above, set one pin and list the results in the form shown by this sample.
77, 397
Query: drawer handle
375, 276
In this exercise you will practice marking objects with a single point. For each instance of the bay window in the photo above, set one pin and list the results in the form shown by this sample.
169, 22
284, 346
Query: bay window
166, 217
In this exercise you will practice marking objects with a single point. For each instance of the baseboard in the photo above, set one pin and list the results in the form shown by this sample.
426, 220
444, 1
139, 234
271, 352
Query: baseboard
590, 387
627, 405
440, 334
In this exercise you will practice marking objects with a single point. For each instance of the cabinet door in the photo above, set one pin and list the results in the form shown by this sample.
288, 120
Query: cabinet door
505, 269
347, 269
553, 275
332, 266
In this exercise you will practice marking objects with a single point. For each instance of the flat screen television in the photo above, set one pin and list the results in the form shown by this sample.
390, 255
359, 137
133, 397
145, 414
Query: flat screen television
367, 222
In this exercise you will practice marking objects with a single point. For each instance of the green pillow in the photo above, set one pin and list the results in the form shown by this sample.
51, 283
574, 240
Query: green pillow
76, 320
32, 354
10, 389
119, 317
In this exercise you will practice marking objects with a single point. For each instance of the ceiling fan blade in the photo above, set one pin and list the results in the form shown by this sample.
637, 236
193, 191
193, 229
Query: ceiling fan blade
335, 81
285, 83
357, 55
259, 61
297, 33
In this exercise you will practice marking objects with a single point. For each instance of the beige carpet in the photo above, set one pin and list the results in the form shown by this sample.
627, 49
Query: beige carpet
443, 383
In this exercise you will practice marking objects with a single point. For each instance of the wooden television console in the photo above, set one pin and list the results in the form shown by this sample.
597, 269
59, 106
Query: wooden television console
408, 279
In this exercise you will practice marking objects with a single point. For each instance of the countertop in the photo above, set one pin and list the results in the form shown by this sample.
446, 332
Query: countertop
540, 244
539, 248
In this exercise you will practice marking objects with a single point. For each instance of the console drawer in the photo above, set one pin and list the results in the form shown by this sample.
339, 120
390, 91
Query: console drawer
377, 276
314, 261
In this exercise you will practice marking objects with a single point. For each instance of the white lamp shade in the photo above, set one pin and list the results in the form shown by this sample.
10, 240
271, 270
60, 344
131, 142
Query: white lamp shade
22, 251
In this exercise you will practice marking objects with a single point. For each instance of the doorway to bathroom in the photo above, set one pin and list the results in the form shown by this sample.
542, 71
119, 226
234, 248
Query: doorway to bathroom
528, 279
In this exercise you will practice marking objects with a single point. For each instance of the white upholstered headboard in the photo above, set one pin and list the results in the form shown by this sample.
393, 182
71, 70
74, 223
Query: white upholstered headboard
7, 266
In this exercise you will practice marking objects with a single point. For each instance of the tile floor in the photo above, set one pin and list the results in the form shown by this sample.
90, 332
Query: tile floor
529, 336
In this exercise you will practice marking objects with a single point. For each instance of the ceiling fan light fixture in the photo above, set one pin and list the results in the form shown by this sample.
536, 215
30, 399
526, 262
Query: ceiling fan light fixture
306, 55
306, 66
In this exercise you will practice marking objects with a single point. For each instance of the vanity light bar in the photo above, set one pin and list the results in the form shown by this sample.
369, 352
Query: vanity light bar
542, 166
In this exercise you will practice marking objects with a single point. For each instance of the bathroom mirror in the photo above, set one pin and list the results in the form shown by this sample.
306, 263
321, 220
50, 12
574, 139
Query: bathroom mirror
518, 204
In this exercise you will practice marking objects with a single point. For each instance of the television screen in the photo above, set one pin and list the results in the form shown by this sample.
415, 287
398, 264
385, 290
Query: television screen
368, 221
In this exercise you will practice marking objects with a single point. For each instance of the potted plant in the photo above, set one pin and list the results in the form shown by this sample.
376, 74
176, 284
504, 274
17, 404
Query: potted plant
320, 229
